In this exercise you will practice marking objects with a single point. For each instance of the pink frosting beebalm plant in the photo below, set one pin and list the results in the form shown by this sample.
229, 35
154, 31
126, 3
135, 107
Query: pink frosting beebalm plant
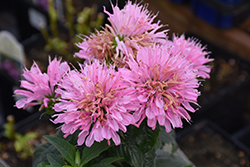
122, 105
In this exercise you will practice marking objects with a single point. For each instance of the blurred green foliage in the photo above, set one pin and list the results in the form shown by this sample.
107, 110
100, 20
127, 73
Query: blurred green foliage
21, 142
76, 23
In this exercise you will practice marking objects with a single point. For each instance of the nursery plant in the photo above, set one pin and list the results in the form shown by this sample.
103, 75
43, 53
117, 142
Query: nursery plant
121, 106
21, 142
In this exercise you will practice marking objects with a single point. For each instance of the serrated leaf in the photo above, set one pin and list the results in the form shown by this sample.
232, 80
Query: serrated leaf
43, 149
107, 162
149, 158
146, 137
94, 151
65, 148
55, 160
131, 153
138, 145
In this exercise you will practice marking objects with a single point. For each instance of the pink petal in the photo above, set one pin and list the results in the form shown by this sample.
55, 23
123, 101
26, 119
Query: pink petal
149, 113
117, 115
151, 123
116, 138
188, 106
161, 120
81, 137
142, 98
45, 102
106, 132
90, 140
168, 127
159, 101
21, 103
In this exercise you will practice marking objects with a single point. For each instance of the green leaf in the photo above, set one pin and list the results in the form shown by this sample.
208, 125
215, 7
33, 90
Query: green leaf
131, 153
149, 158
41, 151
110, 160
30, 135
22, 144
94, 151
138, 145
77, 158
19, 142
47, 112
146, 137
9, 129
40, 154
55, 160
43, 164
64, 147
103, 165
107, 162
173, 160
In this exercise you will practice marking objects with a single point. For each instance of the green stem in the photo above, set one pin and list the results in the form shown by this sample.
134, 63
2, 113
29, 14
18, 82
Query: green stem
53, 18
70, 17
45, 34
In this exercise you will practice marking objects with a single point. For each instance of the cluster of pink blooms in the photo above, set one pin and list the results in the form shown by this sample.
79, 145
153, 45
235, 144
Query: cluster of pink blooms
132, 73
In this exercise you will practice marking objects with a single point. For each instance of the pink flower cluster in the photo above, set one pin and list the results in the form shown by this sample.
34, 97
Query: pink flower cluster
133, 73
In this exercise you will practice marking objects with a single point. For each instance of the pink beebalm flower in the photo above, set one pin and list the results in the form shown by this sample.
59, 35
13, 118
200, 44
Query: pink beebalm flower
96, 101
136, 22
194, 52
165, 86
40, 87
133, 25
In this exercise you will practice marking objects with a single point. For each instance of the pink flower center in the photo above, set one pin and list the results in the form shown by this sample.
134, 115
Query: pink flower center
98, 103
100, 45
162, 89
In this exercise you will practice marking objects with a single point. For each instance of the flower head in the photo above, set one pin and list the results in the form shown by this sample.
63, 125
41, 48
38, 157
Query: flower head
133, 25
165, 86
40, 87
97, 102
133, 20
194, 52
